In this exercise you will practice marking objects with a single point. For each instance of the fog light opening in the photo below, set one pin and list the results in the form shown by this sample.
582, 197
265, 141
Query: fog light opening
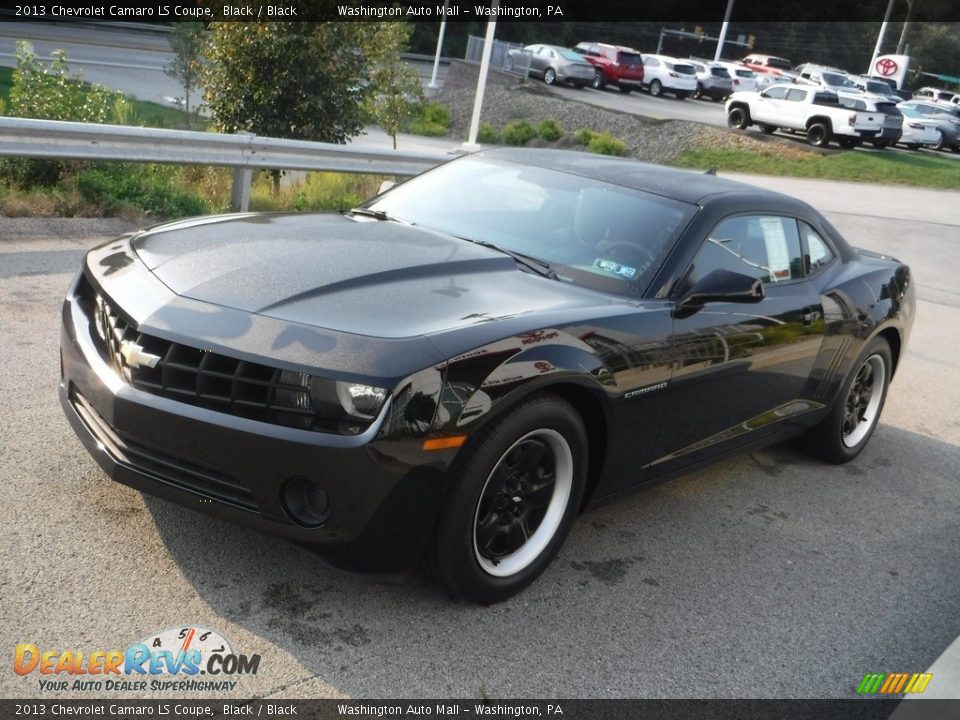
306, 502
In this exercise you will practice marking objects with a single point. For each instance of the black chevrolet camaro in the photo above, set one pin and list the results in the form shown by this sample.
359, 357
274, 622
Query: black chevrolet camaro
452, 371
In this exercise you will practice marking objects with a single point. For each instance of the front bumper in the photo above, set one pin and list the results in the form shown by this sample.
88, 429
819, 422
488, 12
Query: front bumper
384, 492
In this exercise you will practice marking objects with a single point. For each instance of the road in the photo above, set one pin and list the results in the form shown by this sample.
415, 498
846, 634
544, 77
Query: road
766, 575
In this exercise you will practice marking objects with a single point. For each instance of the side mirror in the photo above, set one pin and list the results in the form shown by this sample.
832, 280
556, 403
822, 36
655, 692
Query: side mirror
720, 286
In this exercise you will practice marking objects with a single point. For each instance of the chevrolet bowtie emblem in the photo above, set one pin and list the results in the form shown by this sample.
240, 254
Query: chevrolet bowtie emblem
134, 356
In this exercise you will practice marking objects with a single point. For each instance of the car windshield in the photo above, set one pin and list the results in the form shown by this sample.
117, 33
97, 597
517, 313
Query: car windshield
602, 236
570, 55
838, 80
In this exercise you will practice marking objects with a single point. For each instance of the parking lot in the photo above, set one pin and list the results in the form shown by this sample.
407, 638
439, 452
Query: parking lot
767, 575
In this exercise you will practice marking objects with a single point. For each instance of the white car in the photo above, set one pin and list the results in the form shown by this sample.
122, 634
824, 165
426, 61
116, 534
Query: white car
662, 73
829, 78
935, 94
744, 79
918, 129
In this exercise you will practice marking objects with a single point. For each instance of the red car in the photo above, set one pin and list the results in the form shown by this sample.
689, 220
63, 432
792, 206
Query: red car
615, 65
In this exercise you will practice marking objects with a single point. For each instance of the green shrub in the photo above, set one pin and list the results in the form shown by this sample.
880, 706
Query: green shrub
585, 135
148, 188
487, 134
549, 130
518, 132
606, 144
432, 120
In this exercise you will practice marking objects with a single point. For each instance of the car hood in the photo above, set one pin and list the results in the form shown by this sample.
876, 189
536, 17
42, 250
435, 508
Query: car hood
368, 277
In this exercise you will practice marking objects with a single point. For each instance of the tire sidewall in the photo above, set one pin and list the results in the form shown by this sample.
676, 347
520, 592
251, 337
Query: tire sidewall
877, 346
656, 88
454, 539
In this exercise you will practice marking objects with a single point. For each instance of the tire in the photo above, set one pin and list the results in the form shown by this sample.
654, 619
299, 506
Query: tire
840, 436
550, 76
818, 135
940, 145
738, 118
598, 81
848, 143
767, 129
656, 88
625, 89
472, 554
698, 93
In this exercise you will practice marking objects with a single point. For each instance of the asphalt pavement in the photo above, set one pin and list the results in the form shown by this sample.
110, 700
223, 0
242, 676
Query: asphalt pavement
766, 575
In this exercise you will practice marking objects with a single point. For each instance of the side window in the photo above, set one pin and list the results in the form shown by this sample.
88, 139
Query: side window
796, 95
776, 93
819, 253
766, 247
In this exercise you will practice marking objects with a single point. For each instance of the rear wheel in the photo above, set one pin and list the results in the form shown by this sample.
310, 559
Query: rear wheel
818, 135
516, 492
844, 433
738, 118
598, 81
550, 76
656, 88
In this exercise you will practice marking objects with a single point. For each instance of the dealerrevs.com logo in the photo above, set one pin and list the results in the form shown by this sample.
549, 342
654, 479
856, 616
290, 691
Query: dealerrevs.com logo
188, 658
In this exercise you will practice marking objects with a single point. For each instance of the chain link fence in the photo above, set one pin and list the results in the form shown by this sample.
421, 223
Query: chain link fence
506, 57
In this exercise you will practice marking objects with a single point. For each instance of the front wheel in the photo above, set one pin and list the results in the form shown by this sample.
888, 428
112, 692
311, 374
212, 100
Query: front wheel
656, 88
818, 135
738, 118
550, 76
598, 81
844, 433
515, 494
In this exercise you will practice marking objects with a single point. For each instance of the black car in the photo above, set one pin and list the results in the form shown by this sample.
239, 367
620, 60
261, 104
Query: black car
454, 370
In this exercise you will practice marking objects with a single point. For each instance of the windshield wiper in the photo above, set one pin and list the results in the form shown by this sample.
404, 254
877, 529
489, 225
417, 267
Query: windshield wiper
538, 266
367, 212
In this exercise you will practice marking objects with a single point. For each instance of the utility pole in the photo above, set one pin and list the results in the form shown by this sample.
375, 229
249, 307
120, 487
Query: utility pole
436, 60
471, 143
723, 31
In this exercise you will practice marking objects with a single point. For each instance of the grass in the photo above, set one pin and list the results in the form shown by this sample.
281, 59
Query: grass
888, 168
145, 113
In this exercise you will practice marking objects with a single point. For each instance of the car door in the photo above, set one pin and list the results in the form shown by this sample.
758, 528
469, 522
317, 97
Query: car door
767, 108
740, 368
537, 61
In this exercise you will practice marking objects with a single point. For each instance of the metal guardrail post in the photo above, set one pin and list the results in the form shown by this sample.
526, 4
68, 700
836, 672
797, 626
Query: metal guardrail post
240, 193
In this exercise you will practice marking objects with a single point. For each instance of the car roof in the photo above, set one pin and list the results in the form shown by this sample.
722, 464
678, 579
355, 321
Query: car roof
684, 185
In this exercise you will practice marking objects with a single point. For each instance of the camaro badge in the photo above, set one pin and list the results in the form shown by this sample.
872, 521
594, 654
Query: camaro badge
134, 356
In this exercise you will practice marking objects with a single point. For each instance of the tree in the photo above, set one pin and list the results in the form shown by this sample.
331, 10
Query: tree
395, 91
305, 81
186, 67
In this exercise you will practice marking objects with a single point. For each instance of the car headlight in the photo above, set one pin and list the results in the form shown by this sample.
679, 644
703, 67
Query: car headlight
330, 399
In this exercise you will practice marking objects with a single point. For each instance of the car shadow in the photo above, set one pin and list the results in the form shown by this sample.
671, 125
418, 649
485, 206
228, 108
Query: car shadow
744, 566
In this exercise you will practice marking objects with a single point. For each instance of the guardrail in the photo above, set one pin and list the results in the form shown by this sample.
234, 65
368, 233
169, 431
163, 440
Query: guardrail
22, 137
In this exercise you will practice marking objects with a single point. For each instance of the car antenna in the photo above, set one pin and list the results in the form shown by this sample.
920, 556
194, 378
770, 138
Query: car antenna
711, 171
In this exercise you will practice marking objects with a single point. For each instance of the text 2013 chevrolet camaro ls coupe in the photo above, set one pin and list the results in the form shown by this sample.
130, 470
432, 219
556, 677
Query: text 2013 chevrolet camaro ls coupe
454, 370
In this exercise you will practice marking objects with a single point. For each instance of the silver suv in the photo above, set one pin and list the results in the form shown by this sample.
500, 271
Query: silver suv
713, 81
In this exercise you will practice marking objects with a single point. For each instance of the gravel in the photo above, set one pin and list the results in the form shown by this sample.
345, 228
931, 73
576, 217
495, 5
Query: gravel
657, 141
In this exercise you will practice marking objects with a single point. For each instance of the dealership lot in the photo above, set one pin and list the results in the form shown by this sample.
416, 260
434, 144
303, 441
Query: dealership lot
767, 575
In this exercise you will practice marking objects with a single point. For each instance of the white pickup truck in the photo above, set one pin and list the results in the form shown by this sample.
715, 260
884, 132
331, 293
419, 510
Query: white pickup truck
815, 111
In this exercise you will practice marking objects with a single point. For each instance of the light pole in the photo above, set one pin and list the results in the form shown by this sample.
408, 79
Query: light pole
723, 31
883, 31
471, 143
436, 60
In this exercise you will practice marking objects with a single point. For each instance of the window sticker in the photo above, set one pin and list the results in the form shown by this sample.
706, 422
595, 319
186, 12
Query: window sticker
778, 255
624, 271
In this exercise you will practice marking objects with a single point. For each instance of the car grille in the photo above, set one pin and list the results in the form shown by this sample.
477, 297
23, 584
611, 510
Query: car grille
201, 377
167, 468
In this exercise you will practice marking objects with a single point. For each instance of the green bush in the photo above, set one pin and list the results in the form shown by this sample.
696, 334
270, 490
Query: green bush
147, 188
432, 120
606, 144
550, 130
487, 134
585, 135
518, 132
